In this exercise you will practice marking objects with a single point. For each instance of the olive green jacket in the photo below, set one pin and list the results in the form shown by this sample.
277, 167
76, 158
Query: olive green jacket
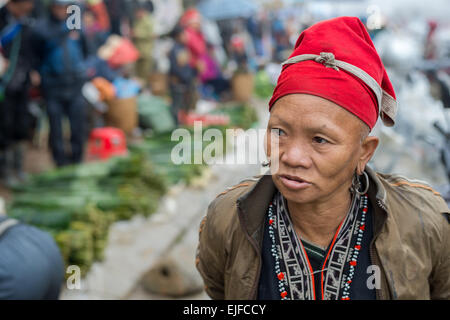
411, 242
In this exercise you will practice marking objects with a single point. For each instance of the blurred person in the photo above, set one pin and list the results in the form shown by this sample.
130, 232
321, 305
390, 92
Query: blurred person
62, 53
118, 12
321, 224
293, 29
212, 78
191, 21
31, 267
238, 53
241, 48
182, 76
96, 25
430, 51
143, 37
99, 10
39, 9
95, 37
280, 37
255, 29
15, 119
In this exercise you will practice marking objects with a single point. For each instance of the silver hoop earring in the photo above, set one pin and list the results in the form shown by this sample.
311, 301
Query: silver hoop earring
358, 184
266, 164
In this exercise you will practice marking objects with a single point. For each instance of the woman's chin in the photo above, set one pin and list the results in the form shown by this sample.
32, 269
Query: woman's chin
298, 197
297, 194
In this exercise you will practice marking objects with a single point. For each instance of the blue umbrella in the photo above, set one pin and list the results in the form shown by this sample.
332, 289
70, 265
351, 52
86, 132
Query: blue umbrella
226, 9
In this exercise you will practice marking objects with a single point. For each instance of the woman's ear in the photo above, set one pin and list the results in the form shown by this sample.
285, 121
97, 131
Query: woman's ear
368, 147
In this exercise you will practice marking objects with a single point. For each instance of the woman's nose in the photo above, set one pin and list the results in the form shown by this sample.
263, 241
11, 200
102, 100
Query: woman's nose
295, 155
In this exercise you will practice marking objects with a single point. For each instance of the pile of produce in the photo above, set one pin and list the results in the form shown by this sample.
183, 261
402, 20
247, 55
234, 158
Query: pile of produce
77, 204
241, 116
159, 147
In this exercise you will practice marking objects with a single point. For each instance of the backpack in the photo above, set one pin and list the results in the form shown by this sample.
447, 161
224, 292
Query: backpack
5, 224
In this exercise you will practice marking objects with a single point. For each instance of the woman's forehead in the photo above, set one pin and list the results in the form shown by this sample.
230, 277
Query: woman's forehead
306, 111
305, 105
305, 101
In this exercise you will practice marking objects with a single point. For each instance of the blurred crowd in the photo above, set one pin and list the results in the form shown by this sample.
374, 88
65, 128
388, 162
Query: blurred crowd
68, 61
59, 58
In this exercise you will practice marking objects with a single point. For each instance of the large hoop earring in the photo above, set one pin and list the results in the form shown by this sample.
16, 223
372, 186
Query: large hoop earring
266, 163
357, 185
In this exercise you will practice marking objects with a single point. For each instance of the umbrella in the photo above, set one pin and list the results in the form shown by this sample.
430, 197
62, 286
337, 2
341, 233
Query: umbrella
226, 9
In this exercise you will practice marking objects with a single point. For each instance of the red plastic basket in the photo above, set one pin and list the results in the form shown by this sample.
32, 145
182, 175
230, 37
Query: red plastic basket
105, 143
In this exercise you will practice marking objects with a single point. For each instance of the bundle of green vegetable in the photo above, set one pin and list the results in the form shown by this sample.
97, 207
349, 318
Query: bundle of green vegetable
159, 149
77, 204
241, 116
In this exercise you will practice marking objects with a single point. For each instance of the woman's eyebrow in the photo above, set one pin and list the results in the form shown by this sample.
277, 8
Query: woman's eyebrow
329, 131
324, 128
317, 128
282, 121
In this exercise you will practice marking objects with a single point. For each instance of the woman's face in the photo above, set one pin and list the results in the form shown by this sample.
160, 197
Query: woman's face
319, 147
88, 19
21, 8
59, 11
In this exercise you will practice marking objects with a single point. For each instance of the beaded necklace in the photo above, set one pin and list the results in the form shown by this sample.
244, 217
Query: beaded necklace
280, 228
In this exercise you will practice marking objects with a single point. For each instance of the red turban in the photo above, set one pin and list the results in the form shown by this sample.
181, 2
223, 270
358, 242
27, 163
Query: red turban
336, 60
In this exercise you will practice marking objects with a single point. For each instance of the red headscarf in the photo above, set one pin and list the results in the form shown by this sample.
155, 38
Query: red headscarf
336, 60
190, 16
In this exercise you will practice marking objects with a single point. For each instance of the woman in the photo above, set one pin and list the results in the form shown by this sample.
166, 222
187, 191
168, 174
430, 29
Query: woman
182, 76
322, 224
15, 119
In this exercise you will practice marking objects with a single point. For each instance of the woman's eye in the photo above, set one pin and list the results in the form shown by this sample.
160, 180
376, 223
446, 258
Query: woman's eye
278, 132
320, 140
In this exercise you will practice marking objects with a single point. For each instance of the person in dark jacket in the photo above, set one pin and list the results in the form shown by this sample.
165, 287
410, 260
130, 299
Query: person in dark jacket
62, 53
15, 120
31, 267
182, 75
120, 12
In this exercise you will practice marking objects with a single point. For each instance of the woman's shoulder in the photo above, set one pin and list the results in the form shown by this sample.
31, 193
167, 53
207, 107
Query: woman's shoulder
228, 197
410, 198
223, 210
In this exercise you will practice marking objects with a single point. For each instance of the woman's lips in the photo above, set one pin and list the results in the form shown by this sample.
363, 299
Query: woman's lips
293, 183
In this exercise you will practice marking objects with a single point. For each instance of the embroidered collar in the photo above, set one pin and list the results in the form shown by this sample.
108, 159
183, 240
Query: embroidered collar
292, 266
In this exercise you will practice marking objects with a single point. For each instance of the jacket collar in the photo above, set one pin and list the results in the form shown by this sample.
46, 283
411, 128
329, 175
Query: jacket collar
253, 204
377, 189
